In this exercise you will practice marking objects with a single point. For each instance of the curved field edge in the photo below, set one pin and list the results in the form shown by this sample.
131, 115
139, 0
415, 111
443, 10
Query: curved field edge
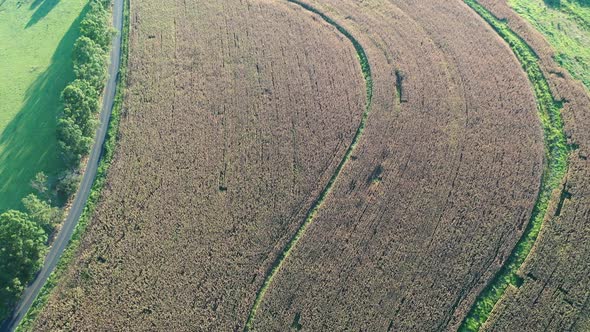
27, 323
366, 71
556, 162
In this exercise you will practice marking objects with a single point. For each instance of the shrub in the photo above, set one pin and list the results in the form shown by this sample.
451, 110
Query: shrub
22, 245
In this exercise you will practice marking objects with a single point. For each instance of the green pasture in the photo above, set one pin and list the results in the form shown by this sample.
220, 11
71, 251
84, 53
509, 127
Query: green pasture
36, 41
566, 25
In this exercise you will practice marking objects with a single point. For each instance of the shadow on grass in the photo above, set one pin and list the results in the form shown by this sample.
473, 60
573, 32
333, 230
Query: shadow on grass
42, 8
557, 3
28, 143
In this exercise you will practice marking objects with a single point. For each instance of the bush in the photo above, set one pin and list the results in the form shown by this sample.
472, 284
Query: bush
22, 245
42, 213
68, 184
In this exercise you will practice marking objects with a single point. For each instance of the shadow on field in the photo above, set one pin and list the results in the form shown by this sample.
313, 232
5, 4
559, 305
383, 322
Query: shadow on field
42, 8
25, 147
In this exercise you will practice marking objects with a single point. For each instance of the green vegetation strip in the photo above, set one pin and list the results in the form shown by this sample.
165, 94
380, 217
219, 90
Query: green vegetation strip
566, 26
366, 70
557, 151
28, 321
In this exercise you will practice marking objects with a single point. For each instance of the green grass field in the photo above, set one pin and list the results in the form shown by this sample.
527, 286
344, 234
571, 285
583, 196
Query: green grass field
35, 65
566, 25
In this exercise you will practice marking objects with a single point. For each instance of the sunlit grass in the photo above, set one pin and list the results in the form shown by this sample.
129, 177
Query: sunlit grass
566, 27
37, 37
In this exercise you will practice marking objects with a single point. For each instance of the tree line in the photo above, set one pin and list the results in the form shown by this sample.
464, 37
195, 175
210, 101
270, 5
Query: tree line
24, 235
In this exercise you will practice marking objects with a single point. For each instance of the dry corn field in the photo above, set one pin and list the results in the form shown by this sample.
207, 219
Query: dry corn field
331, 165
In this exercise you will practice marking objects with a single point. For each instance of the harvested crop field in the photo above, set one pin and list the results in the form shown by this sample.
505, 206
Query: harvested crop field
236, 116
458, 169
321, 165
554, 295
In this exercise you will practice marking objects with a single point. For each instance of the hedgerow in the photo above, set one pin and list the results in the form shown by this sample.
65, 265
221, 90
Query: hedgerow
76, 128
77, 123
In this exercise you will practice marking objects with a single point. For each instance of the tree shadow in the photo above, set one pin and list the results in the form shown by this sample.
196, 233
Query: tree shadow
557, 3
43, 7
25, 147
35, 4
552, 3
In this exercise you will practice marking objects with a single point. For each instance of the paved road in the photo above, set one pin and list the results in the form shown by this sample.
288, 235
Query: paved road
79, 202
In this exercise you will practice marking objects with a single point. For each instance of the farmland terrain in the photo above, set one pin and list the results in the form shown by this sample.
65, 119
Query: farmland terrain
332, 165
438, 193
235, 120
35, 65
554, 294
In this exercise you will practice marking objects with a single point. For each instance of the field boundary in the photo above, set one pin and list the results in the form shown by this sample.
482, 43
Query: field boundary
554, 169
27, 322
366, 71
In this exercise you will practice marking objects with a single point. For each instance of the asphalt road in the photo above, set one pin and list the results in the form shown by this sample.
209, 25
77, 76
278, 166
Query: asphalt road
63, 238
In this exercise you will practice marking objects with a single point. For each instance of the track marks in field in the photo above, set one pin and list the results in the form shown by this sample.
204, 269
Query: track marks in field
366, 70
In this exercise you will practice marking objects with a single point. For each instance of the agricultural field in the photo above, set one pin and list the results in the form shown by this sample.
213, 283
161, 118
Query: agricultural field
338, 165
554, 293
242, 137
440, 190
35, 65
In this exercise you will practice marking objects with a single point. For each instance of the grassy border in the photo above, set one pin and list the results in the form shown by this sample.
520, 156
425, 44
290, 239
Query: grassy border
555, 167
27, 323
366, 71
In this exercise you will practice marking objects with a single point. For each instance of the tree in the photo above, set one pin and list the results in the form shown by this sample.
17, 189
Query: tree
95, 25
86, 50
73, 144
68, 184
90, 62
42, 213
39, 183
22, 245
80, 95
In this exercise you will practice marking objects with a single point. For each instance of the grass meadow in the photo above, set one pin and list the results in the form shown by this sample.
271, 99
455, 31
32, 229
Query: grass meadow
566, 25
35, 65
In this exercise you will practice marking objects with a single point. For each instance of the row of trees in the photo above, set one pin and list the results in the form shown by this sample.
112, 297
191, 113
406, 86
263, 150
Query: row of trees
77, 124
24, 234
23, 239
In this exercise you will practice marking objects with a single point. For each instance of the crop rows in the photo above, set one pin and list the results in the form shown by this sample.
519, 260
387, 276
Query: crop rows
438, 190
366, 69
236, 135
554, 292
235, 119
